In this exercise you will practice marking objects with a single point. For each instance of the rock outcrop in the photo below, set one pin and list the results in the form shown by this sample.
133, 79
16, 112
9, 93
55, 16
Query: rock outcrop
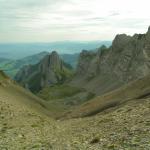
126, 60
51, 70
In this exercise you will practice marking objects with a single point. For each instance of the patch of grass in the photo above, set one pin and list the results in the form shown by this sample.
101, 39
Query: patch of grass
63, 75
58, 92
60, 98
90, 96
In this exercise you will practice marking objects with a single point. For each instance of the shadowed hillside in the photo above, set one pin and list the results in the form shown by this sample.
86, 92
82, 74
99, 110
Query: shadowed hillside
135, 90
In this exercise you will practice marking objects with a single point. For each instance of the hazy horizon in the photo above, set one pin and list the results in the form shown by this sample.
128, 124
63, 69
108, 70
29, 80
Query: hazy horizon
20, 50
49, 42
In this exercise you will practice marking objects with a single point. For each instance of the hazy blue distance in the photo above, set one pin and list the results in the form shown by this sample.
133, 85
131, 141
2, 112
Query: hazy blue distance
21, 50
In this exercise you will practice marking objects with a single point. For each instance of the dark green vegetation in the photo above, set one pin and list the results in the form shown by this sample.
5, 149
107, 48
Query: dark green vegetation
65, 74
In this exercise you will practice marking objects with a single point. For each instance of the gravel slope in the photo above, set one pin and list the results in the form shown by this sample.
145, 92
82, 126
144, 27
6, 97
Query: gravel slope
24, 124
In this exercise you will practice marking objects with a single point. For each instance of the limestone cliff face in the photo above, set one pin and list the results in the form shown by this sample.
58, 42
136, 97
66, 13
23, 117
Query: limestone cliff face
132, 61
85, 61
126, 60
49, 71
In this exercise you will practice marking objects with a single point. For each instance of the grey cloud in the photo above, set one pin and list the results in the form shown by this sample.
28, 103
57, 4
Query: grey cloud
26, 7
45, 16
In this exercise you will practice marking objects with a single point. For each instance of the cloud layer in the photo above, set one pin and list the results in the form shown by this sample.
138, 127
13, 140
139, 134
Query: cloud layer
58, 20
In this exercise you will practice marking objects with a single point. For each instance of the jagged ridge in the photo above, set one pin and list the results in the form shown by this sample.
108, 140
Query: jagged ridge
126, 60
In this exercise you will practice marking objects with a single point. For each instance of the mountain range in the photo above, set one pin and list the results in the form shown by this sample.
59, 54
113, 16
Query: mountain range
127, 59
111, 67
98, 72
11, 67
103, 103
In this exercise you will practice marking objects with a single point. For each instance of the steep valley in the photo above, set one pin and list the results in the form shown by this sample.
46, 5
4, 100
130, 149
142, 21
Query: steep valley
98, 73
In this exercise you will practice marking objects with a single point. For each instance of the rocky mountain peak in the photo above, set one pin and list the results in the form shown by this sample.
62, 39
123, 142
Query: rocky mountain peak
54, 57
86, 53
126, 60
120, 41
55, 60
50, 70
50, 62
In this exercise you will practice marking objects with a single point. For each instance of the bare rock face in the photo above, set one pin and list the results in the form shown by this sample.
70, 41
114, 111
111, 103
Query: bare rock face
50, 67
120, 41
50, 62
133, 58
126, 60
51, 70
85, 61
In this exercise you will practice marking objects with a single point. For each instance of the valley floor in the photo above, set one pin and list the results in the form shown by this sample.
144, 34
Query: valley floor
126, 127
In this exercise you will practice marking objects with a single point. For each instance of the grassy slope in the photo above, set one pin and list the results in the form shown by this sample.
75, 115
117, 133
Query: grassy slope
117, 97
62, 98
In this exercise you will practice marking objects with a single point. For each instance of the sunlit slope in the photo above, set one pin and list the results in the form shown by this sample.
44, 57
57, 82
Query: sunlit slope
18, 96
9, 90
23, 121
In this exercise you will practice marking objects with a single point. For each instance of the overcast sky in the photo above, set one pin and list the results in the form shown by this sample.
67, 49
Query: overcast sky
59, 20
